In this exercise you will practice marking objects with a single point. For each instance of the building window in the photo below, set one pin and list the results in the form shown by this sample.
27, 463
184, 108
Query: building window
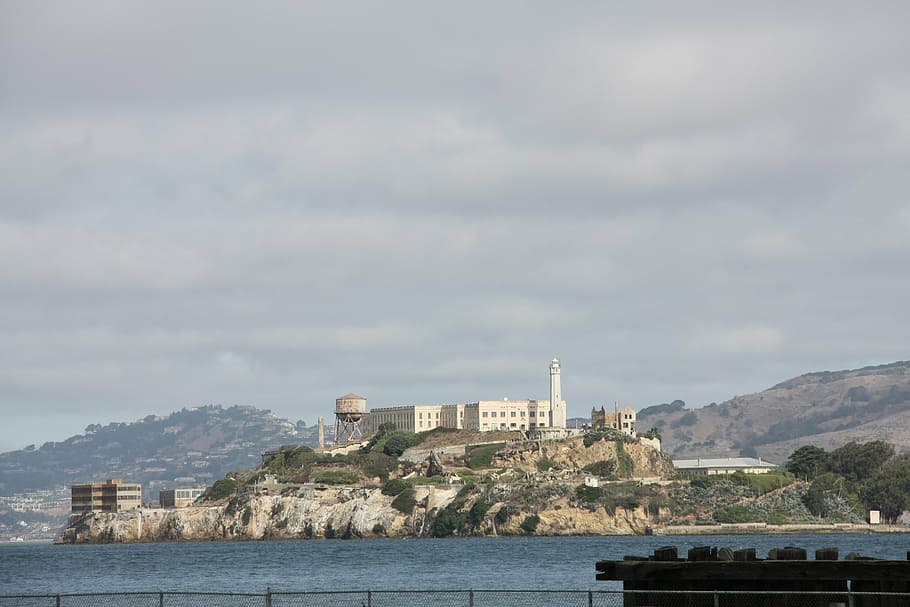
514, 414
522, 413
484, 414
533, 414
502, 414
512, 424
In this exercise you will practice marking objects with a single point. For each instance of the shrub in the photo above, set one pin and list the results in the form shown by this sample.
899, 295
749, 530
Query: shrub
763, 483
394, 486
396, 443
654, 432
529, 525
624, 464
604, 469
737, 514
221, 489
545, 463
477, 512
337, 477
481, 456
589, 495
591, 438
374, 464
405, 501
447, 522
504, 514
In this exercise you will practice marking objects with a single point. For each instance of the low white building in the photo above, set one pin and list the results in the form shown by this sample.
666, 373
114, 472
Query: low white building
706, 466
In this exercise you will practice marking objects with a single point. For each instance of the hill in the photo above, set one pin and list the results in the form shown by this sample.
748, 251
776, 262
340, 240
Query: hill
826, 409
190, 446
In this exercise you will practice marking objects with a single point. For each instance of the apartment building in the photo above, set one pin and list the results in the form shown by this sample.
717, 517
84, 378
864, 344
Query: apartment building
113, 495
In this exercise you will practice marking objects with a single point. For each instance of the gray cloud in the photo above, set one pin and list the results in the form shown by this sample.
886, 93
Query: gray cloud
213, 203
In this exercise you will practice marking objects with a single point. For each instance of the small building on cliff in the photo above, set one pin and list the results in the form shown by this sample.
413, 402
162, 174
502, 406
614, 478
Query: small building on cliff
619, 420
113, 495
704, 466
180, 497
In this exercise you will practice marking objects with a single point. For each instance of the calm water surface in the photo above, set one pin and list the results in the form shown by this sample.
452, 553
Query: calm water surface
478, 563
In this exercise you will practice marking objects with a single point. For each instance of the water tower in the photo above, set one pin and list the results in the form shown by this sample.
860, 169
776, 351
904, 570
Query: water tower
349, 410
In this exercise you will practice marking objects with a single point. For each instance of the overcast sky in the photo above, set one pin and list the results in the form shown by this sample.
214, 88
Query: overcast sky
277, 203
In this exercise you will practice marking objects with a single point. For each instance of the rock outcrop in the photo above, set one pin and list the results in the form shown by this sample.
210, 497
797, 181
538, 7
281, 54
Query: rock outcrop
343, 512
572, 455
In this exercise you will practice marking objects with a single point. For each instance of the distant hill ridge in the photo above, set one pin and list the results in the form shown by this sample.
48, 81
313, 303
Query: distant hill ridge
826, 409
202, 444
190, 446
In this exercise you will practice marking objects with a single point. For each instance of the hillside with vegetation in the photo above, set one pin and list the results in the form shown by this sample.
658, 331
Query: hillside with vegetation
601, 483
825, 409
190, 446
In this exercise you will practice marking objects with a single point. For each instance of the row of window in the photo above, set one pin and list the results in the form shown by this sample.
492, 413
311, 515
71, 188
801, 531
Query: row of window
513, 414
504, 426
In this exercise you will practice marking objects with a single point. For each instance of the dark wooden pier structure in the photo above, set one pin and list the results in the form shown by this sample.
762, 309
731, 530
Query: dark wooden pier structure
721, 577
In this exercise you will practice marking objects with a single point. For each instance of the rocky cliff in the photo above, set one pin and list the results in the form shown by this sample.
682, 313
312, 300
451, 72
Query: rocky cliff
345, 513
575, 454
310, 513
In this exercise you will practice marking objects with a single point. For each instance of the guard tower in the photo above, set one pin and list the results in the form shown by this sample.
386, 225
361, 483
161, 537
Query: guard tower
349, 410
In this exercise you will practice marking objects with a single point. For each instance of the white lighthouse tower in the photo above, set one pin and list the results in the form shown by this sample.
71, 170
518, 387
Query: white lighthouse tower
557, 404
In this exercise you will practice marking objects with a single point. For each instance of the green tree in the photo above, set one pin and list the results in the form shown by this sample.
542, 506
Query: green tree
405, 501
858, 461
477, 512
222, 488
530, 523
888, 489
625, 466
447, 522
818, 497
396, 444
654, 432
807, 462
395, 486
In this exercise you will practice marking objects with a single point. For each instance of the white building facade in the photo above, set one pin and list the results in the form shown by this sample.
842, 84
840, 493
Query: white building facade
483, 415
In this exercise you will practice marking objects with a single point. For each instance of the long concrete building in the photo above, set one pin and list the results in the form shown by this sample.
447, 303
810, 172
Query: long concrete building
483, 415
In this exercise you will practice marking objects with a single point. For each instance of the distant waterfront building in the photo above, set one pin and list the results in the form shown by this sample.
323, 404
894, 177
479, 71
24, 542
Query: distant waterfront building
483, 415
704, 466
180, 497
113, 495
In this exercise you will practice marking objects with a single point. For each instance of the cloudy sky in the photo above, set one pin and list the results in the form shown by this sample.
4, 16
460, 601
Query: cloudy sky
278, 203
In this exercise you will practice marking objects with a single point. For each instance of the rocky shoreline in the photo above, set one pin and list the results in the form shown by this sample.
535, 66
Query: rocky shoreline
342, 512
355, 513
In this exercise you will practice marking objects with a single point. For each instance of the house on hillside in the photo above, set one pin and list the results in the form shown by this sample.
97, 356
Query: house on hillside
705, 466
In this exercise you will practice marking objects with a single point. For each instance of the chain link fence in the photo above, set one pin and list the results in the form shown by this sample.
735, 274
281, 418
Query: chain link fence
464, 598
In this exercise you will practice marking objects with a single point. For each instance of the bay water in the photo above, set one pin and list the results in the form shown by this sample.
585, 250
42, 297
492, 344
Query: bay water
553, 563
